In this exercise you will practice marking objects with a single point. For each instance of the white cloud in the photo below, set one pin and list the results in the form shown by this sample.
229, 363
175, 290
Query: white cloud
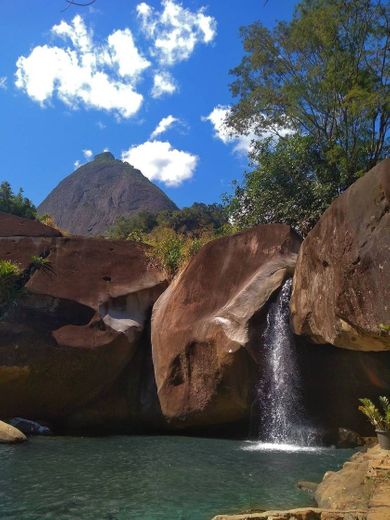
143, 9
163, 83
87, 153
125, 54
175, 31
217, 117
243, 143
3, 82
163, 126
77, 164
158, 160
84, 73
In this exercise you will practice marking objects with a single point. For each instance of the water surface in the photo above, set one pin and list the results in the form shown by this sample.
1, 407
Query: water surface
152, 478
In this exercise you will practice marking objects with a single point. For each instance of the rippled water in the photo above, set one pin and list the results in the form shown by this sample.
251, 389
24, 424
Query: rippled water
151, 478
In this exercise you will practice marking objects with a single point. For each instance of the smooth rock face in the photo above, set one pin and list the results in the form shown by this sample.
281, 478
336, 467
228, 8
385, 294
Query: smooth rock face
341, 289
333, 380
89, 200
14, 226
206, 326
77, 325
10, 435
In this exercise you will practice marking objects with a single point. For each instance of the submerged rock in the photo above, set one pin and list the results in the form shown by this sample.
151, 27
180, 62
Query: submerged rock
10, 435
206, 327
307, 486
29, 427
341, 287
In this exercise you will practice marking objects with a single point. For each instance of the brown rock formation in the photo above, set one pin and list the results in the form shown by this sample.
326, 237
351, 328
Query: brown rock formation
202, 325
333, 380
362, 483
341, 288
76, 326
10, 435
14, 226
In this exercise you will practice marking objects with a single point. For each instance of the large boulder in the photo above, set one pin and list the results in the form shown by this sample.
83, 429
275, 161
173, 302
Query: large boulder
14, 226
206, 327
341, 289
76, 326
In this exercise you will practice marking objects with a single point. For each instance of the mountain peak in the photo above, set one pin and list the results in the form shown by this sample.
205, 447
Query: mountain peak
104, 156
88, 201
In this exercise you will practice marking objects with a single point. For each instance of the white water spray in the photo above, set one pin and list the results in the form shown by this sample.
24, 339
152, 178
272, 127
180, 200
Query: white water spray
279, 391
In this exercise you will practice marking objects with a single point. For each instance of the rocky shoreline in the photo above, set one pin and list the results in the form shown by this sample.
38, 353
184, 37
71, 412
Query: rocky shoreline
358, 491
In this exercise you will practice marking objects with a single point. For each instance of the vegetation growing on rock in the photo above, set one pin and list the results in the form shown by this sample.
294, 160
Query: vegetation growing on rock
174, 236
9, 276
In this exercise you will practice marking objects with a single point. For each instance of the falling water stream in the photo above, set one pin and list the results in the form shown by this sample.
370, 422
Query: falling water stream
279, 391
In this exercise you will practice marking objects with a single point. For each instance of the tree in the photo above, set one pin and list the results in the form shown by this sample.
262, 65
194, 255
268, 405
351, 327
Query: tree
324, 75
125, 226
16, 204
194, 220
287, 186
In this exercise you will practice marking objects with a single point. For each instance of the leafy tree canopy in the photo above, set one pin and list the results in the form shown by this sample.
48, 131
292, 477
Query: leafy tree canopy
16, 204
286, 187
324, 77
325, 74
193, 220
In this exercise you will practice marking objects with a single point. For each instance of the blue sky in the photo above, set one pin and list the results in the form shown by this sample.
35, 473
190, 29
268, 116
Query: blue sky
148, 81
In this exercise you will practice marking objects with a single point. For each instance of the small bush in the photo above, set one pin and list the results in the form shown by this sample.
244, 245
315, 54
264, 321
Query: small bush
167, 250
171, 251
9, 276
38, 262
47, 219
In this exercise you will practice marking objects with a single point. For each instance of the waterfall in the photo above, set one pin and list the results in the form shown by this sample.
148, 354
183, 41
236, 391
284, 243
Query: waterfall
279, 392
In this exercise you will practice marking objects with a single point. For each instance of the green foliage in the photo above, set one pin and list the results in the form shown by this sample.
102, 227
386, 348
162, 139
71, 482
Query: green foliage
39, 262
171, 251
379, 419
16, 204
9, 276
124, 226
194, 220
47, 220
167, 250
174, 236
322, 77
384, 327
290, 185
